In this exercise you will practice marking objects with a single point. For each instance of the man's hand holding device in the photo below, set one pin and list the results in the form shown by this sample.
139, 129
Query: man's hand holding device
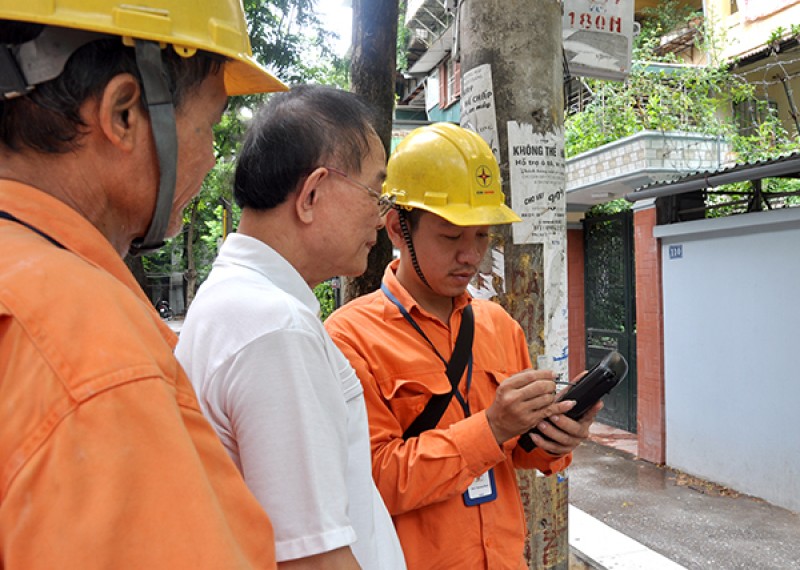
523, 400
559, 434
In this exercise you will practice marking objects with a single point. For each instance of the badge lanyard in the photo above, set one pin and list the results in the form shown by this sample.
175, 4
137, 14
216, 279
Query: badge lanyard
483, 488
461, 399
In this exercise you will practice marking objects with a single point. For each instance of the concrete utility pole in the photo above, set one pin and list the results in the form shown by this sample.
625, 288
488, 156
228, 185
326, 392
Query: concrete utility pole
372, 72
511, 62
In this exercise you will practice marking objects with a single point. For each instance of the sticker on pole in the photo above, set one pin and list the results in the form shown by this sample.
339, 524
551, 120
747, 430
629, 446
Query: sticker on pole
477, 106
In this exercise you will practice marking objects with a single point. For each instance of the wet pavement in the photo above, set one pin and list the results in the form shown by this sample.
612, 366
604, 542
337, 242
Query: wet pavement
691, 522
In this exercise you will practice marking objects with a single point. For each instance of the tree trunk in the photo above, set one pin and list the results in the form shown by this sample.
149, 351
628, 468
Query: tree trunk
518, 42
191, 268
136, 265
372, 72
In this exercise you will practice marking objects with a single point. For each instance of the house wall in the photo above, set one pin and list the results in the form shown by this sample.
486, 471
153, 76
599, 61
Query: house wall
452, 114
649, 335
576, 302
731, 318
746, 32
741, 35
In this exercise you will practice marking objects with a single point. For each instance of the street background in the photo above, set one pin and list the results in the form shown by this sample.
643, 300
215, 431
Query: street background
694, 523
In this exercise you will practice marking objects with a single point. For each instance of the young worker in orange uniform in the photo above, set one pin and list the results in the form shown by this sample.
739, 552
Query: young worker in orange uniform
106, 117
448, 477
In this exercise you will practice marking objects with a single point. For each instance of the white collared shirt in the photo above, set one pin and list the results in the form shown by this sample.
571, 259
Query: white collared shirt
287, 406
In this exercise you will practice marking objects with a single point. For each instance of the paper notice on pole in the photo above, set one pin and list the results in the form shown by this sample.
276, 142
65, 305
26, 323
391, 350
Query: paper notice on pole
478, 107
537, 181
538, 178
556, 325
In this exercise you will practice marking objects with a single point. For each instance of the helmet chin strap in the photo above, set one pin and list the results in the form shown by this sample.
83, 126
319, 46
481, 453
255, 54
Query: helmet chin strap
42, 59
403, 217
162, 120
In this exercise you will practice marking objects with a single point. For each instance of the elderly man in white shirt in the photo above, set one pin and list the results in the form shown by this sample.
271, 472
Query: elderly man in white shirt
282, 397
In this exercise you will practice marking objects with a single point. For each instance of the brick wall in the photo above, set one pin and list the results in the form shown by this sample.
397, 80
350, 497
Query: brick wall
649, 338
575, 303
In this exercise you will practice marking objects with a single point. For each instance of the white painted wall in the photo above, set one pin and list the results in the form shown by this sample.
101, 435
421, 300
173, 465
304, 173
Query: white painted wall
732, 352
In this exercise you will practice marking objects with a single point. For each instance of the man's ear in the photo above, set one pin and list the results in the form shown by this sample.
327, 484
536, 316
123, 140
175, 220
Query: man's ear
393, 229
306, 197
120, 115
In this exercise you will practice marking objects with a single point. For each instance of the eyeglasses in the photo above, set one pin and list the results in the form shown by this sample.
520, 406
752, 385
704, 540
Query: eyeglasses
385, 203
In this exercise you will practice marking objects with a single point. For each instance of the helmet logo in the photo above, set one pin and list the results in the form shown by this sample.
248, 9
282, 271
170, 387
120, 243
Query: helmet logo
484, 176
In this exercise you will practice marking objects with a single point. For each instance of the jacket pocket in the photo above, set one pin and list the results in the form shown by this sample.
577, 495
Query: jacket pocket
496, 377
407, 397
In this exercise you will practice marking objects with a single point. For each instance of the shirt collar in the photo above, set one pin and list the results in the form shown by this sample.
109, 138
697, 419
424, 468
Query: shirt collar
69, 228
256, 255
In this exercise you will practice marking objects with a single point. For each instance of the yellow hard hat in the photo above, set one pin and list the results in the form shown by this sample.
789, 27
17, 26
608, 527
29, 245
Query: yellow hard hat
217, 26
451, 172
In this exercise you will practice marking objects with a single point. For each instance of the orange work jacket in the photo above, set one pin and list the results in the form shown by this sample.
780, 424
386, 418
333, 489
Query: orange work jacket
422, 480
105, 458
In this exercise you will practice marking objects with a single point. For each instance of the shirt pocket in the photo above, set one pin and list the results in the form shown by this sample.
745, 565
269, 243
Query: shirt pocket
407, 397
484, 386
496, 376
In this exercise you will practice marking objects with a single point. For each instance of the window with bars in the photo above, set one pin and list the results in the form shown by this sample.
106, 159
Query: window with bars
449, 83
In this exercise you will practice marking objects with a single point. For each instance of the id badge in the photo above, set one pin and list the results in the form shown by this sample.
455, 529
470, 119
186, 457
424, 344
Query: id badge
482, 490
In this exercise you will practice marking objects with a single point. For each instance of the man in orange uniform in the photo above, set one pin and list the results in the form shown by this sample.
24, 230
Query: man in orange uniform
106, 117
451, 489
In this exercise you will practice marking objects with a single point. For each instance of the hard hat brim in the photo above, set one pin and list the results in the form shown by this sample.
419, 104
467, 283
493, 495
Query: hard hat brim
245, 76
466, 215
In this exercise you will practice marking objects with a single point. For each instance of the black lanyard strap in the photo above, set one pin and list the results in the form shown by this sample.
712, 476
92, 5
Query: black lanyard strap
462, 355
6, 216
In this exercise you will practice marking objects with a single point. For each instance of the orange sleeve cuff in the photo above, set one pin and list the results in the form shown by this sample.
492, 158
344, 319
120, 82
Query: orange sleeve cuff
476, 443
